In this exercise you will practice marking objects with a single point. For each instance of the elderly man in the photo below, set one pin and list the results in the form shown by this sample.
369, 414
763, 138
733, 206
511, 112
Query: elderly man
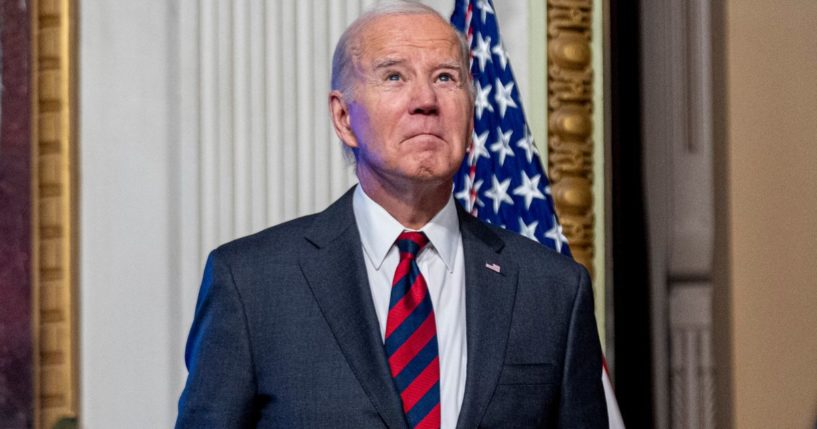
393, 307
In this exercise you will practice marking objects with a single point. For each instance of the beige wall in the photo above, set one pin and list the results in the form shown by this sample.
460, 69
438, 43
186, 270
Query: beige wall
770, 70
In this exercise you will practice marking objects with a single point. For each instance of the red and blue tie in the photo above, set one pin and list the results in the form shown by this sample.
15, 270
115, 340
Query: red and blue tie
411, 337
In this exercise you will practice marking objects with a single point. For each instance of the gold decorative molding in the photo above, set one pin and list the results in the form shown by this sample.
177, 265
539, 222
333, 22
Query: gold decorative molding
570, 123
53, 210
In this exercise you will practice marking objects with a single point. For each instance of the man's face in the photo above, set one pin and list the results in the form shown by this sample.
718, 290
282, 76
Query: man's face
410, 114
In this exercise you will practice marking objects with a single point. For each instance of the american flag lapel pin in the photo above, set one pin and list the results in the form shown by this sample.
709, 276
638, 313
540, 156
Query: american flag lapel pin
492, 267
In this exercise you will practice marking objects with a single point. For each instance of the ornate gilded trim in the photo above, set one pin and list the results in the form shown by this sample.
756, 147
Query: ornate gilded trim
570, 122
54, 208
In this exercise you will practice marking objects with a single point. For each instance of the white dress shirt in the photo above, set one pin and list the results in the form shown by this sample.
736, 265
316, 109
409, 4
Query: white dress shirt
443, 267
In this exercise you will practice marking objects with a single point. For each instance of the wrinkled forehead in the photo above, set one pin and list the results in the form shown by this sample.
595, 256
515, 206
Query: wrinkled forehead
424, 35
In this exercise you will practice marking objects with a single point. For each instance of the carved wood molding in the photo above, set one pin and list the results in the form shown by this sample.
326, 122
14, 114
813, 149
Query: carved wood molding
570, 123
53, 224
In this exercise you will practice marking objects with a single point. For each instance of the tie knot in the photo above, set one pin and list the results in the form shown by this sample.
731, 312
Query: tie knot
411, 242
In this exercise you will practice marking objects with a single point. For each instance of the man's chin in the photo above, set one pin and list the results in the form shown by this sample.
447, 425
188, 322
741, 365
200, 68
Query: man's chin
432, 174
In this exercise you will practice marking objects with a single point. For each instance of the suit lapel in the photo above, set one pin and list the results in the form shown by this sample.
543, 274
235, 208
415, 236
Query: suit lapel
336, 273
489, 300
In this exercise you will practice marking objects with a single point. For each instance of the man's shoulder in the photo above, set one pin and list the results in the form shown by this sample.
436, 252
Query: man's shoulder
289, 238
283, 238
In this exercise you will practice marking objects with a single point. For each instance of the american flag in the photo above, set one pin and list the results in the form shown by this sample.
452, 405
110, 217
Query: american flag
502, 180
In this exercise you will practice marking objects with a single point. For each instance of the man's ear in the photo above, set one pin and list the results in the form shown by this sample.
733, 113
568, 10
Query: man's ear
341, 119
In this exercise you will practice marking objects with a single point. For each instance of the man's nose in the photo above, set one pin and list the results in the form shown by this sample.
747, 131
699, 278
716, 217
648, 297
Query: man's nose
424, 99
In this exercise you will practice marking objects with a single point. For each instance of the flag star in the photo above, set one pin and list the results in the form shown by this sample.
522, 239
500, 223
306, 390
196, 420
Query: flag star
499, 193
503, 97
483, 51
529, 189
556, 235
475, 191
485, 8
478, 149
503, 145
502, 54
528, 230
548, 191
526, 144
465, 194
482, 102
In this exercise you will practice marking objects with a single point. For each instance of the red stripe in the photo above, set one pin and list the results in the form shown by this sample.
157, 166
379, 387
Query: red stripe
431, 420
409, 349
413, 297
421, 385
418, 339
401, 271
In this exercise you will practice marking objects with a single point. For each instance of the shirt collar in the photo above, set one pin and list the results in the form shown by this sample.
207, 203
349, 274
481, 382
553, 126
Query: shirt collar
378, 230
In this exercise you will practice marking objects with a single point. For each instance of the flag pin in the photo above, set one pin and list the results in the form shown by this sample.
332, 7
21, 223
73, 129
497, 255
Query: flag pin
492, 267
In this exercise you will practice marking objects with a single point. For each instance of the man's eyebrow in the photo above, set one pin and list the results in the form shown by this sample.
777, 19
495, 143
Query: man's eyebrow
391, 62
450, 65
388, 62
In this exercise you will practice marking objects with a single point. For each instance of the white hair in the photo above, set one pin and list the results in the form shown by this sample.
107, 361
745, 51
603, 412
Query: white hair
342, 63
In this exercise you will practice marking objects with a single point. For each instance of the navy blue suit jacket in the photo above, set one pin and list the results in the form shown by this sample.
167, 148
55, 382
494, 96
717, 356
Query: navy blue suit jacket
285, 334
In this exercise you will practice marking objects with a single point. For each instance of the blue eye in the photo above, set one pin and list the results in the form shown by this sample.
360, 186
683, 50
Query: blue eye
445, 77
393, 77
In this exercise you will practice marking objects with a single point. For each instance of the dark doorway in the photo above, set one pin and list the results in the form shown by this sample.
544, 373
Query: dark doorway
632, 372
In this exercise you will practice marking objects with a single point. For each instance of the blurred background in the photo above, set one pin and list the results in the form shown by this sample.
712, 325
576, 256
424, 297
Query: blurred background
137, 136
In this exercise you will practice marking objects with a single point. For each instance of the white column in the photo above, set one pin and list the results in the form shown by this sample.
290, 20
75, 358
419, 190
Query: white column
128, 296
692, 367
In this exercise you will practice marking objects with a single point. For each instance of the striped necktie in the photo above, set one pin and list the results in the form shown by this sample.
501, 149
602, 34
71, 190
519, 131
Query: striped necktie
411, 337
